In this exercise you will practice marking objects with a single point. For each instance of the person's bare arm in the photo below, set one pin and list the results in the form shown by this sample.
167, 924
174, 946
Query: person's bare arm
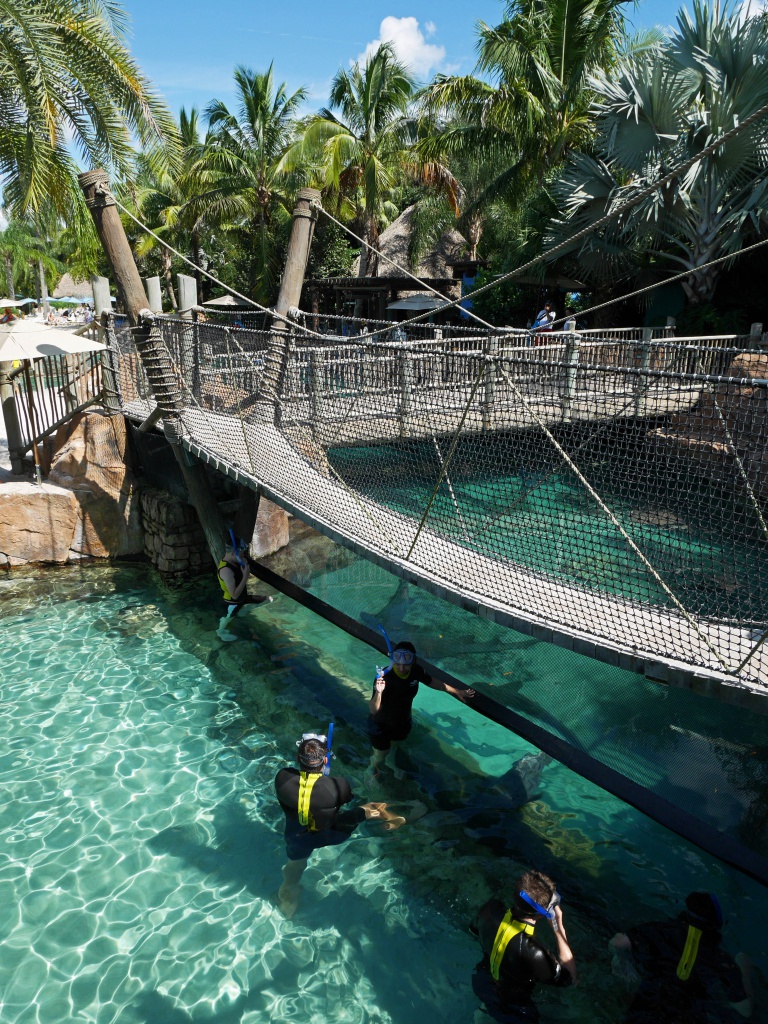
564, 954
454, 691
746, 1006
375, 702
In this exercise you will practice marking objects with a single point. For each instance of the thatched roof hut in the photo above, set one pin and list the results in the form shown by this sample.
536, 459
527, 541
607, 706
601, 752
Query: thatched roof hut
76, 289
394, 242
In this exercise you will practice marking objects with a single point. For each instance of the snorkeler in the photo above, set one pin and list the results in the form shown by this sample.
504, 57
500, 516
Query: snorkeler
390, 705
234, 572
514, 959
678, 967
312, 802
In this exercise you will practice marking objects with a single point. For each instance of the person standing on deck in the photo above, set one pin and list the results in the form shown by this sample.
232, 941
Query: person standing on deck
234, 571
514, 961
393, 694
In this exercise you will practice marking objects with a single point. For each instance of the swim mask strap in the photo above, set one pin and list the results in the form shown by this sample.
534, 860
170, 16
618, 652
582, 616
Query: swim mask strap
508, 929
548, 912
691, 951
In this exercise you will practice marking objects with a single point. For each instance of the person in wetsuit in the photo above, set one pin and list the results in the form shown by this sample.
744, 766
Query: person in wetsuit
390, 706
234, 571
514, 960
680, 970
314, 818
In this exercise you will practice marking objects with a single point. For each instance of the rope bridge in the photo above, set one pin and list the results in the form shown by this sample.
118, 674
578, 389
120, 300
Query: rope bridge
605, 491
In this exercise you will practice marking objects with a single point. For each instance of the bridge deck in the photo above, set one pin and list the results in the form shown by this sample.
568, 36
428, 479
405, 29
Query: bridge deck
297, 477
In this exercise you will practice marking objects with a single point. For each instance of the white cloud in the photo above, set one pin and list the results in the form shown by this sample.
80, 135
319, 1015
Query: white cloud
751, 8
430, 28
409, 44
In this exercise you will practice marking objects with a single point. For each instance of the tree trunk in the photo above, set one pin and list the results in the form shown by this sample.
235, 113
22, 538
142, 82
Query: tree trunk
9, 274
474, 234
168, 276
43, 287
196, 256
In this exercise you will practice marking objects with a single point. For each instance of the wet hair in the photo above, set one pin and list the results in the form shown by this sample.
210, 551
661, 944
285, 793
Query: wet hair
539, 887
703, 911
405, 645
312, 754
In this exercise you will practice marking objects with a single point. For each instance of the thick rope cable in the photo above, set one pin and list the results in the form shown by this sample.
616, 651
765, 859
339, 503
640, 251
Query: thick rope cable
614, 520
211, 277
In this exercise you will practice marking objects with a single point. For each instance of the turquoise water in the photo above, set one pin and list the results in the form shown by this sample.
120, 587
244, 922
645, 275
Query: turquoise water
140, 845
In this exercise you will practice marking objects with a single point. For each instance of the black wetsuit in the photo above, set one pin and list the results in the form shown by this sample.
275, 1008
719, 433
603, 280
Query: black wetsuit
236, 603
525, 963
656, 951
393, 719
330, 826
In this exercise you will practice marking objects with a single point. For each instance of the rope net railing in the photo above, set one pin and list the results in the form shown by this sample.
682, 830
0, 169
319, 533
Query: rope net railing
608, 489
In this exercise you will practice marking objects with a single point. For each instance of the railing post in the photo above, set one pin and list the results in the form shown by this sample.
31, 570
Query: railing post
491, 347
315, 389
11, 418
405, 360
644, 361
188, 355
755, 335
572, 345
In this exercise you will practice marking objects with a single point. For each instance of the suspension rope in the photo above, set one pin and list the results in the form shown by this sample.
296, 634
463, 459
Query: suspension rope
596, 497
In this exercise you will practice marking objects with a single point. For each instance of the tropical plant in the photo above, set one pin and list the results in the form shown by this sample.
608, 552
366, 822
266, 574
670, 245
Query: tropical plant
531, 106
19, 246
657, 110
361, 154
70, 88
237, 181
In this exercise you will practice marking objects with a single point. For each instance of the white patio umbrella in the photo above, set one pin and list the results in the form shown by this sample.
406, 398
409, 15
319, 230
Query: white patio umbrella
226, 301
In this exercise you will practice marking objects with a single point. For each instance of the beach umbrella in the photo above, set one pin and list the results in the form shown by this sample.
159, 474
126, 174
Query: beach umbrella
26, 340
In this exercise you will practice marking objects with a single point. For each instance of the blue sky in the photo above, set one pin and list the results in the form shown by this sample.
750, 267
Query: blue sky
188, 48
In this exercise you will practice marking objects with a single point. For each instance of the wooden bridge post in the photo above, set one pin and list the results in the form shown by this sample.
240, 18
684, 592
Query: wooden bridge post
189, 348
160, 373
302, 231
572, 346
154, 293
110, 375
755, 335
405, 363
644, 361
11, 418
491, 346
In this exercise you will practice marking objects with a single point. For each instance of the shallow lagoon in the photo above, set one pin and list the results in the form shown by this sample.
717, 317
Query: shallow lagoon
140, 845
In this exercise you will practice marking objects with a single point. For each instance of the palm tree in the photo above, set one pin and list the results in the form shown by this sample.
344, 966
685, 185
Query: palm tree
237, 179
656, 110
531, 108
68, 85
18, 246
163, 198
361, 153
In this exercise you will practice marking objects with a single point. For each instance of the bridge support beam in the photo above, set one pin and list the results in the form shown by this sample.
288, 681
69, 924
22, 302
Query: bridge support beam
164, 382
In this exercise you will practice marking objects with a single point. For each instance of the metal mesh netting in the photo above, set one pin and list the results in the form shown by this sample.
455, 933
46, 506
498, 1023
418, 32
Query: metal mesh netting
606, 489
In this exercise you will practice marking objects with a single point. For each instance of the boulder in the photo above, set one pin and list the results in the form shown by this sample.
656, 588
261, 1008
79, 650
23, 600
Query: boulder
271, 531
37, 524
90, 460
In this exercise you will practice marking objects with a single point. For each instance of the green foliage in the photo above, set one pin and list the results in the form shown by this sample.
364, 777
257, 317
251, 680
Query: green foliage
331, 255
506, 305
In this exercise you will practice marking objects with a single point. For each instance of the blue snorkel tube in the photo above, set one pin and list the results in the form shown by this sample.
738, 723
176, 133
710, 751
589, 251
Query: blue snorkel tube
234, 546
549, 912
379, 669
328, 754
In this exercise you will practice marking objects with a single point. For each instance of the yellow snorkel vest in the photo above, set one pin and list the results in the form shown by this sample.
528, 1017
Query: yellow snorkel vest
691, 951
508, 929
306, 783
222, 565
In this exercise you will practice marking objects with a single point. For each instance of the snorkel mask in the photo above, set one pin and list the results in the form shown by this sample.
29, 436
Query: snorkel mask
549, 912
402, 657
239, 547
